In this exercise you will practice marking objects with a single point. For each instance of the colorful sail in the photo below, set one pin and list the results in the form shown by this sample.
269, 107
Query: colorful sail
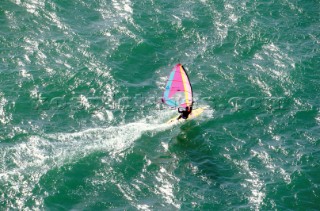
178, 91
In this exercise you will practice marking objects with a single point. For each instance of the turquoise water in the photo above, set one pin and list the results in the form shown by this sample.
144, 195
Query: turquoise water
81, 126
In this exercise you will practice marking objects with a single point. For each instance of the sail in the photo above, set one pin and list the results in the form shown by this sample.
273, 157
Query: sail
178, 91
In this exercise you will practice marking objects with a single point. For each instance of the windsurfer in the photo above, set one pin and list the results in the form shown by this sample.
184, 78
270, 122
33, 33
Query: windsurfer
184, 112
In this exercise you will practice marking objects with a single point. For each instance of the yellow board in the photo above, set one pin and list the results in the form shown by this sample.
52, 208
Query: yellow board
193, 115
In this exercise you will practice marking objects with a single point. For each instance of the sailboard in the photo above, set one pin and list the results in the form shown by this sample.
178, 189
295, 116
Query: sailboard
178, 90
195, 113
178, 93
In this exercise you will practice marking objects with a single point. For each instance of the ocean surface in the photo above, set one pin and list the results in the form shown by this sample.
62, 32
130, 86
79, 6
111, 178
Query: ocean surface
82, 126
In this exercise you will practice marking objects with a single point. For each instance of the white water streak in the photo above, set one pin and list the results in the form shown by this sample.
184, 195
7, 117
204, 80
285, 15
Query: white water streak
23, 164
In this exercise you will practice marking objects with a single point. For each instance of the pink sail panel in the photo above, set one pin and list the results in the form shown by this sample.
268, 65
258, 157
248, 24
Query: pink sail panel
178, 92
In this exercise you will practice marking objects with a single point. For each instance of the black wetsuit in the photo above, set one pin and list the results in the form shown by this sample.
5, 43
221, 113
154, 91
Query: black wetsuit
185, 113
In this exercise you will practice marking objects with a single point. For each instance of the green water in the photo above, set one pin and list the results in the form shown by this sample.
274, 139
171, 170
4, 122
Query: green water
81, 126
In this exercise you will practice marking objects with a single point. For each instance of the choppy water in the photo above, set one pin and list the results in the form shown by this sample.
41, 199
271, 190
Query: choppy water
81, 126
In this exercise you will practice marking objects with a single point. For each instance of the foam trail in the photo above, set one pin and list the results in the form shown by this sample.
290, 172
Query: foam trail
22, 165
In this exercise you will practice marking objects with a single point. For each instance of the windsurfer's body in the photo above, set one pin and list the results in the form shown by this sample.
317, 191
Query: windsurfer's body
184, 113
